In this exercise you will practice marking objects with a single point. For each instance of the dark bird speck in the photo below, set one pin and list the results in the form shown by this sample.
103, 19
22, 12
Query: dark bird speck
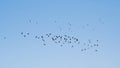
5, 37
24, 35
21, 33
27, 33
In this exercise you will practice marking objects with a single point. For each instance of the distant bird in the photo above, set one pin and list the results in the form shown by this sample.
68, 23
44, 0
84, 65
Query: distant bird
97, 45
61, 45
38, 37
76, 39
29, 21
89, 41
96, 50
52, 38
47, 35
24, 35
87, 24
44, 44
4, 37
69, 24
27, 33
50, 34
81, 49
41, 36
43, 40
78, 42
88, 45
69, 41
72, 46
55, 21
97, 40
21, 33
35, 36
85, 49
36, 22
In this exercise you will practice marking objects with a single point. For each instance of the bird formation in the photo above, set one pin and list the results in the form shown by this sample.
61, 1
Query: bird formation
64, 40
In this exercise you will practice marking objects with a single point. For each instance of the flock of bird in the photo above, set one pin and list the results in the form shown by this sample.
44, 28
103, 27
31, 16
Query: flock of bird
63, 40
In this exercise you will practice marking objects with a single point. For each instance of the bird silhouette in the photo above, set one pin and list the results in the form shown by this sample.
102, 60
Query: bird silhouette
4, 37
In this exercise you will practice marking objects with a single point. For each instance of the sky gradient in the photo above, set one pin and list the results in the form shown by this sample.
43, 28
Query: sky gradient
90, 19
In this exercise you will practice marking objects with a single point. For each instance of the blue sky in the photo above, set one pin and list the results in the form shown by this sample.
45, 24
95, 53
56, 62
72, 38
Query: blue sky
53, 16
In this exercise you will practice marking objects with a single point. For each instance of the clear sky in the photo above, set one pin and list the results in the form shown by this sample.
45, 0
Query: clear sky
89, 19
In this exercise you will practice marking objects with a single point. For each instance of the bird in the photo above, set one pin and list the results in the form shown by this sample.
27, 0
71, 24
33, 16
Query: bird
38, 37
61, 45
36, 22
55, 21
35, 36
97, 40
78, 42
27, 33
44, 44
41, 36
96, 50
43, 40
89, 41
5, 37
72, 46
88, 45
87, 24
81, 49
24, 35
29, 21
21, 33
